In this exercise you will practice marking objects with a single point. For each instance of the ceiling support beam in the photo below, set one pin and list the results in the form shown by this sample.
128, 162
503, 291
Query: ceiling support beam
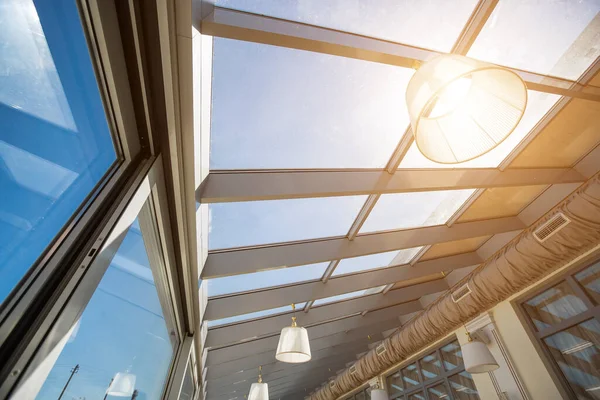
258, 258
234, 186
266, 30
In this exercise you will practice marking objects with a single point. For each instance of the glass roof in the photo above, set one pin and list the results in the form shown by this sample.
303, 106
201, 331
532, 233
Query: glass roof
264, 279
374, 261
260, 222
410, 210
254, 315
346, 296
399, 21
558, 38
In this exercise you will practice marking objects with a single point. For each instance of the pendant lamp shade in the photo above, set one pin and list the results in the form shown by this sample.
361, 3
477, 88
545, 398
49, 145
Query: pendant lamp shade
294, 346
379, 394
122, 385
478, 358
259, 391
462, 108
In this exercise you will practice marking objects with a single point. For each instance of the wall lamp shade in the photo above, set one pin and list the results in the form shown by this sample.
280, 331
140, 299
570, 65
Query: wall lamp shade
379, 394
122, 385
462, 108
294, 346
259, 391
478, 358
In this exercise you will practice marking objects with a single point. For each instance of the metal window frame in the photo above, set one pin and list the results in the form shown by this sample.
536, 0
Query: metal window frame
537, 337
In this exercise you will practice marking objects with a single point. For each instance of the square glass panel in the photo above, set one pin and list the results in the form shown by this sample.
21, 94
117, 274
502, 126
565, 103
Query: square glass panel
410, 376
463, 387
451, 355
398, 21
576, 351
275, 107
122, 335
412, 210
264, 279
589, 278
553, 306
260, 222
253, 315
518, 32
375, 261
538, 105
345, 296
55, 143
417, 396
438, 392
394, 384
430, 366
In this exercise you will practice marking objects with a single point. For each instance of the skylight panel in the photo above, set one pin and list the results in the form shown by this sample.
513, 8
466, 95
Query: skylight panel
375, 261
346, 296
253, 315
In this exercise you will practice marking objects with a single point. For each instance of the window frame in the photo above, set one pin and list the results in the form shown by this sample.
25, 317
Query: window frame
537, 337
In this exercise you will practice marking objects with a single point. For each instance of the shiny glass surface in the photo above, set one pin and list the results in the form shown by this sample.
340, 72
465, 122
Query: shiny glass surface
553, 306
253, 315
451, 355
430, 366
589, 278
463, 387
410, 376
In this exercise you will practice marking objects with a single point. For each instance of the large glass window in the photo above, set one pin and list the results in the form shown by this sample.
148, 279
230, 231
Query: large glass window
123, 343
565, 318
438, 375
55, 143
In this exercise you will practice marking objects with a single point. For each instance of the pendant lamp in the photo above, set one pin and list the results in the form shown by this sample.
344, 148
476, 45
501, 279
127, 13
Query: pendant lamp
462, 108
477, 357
294, 346
259, 390
122, 385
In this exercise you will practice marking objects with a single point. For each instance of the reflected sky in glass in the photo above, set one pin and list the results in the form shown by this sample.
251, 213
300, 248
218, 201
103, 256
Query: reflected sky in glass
55, 144
260, 222
374, 261
404, 21
253, 315
122, 329
346, 296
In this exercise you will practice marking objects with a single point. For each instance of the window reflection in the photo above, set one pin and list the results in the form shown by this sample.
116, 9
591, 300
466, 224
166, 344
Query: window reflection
395, 384
553, 306
410, 376
438, 392
417, 396
452, 355
463, 387
55, 144
589, 278
121, 344
430, 366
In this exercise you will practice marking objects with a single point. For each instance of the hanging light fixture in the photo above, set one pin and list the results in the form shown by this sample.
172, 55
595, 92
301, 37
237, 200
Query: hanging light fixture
477, 357
462, 108
122, 385
259, 390
294, 346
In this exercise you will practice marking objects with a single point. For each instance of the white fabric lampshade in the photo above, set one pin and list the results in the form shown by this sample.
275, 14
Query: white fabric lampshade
379, 394
294, 346
122, 385
462, 108
478, 358
259, 391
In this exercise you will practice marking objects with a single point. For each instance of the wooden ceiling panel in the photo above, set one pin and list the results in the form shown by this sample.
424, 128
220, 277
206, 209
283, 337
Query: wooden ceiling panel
454, 247
501, 202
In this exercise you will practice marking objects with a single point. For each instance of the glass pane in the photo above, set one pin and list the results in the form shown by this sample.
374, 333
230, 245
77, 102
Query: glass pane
417, 396
55, 144
187, 389
430, 366
360, 396
394, 383
463, 387
261, 222
411, 210
299, 109
398, 21
264, 279
410, 376
518, 32
452, 355
538, 105
253, 315
589, 278
438, 392
373, 261
577, 353
553, 306
121, 337
345, 296
368, 393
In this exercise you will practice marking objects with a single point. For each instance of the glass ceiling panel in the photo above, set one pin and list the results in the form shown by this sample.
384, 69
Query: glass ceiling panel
399, 21
275, 107
373, 261
264, 279
411, 210
538, 105
261, 222
346, 296
257, 314
557, 38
